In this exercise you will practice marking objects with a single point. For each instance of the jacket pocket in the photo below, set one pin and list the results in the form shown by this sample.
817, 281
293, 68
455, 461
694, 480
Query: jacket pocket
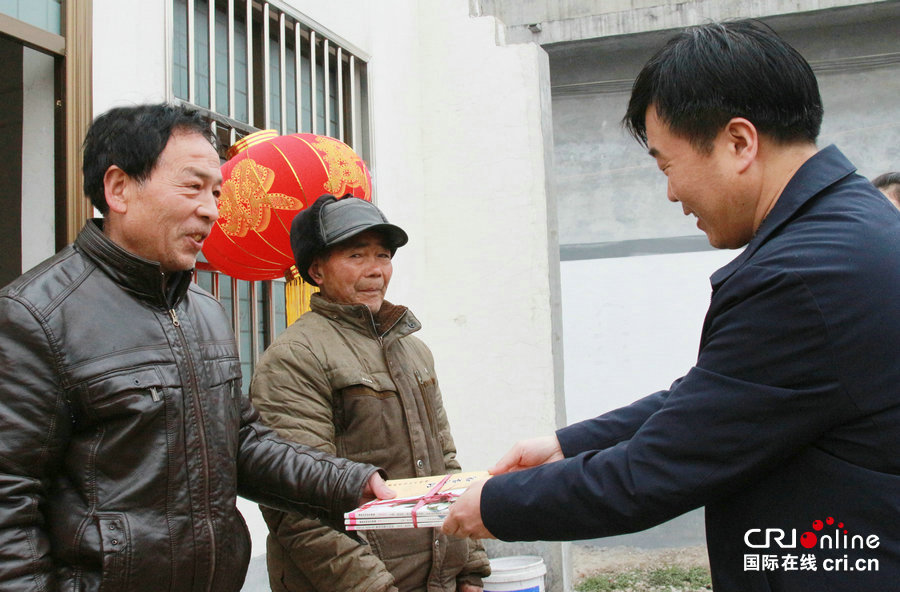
225, 393
427, 389
367, 415
115, 545
407, 554
117, 395
233, 553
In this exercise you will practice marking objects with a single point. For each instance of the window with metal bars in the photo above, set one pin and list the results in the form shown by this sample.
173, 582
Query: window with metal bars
251, 65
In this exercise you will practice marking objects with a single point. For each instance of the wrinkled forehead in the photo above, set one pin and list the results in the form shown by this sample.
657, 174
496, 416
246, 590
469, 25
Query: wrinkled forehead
191, 152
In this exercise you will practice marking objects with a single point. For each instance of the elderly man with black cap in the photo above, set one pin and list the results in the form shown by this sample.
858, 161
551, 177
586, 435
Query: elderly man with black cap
349, 377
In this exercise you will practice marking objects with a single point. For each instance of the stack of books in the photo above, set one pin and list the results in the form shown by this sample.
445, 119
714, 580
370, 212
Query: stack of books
421, 502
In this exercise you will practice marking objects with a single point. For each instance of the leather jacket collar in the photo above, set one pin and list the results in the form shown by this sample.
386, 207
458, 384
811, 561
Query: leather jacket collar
138, 276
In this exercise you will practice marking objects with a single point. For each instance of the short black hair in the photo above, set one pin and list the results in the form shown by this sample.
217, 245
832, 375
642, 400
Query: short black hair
889, 183
132, 138
886, 180
708, 74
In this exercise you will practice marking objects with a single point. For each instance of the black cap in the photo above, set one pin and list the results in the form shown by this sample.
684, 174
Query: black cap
330, 221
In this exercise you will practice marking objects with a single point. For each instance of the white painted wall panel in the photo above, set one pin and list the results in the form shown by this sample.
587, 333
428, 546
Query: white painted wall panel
38, 213
130, 53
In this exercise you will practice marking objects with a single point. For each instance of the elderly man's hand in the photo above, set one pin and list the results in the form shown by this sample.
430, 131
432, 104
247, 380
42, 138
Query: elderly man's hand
376, 488
469, 588
529, 453
464, 519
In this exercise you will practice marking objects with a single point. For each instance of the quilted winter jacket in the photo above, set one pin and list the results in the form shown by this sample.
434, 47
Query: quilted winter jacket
337, 381
125, 435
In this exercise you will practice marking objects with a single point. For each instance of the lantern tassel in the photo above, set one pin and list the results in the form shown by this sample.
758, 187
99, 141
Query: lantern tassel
296, 295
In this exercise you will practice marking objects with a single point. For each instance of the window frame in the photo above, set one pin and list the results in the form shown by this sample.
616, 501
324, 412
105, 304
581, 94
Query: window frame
324, 66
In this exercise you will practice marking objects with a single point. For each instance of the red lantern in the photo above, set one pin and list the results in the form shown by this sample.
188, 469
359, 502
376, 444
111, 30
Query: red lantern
267, 180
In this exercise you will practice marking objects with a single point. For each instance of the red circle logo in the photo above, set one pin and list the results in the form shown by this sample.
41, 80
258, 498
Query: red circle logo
808, 540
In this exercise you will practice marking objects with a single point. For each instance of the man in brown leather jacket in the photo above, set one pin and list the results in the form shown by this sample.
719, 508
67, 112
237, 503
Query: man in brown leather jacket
349, 378
125, 433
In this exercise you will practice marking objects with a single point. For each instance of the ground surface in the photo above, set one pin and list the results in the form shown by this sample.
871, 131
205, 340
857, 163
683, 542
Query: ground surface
588, 560
591, 561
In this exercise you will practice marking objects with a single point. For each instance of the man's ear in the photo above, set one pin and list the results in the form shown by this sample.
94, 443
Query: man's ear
116, 185
315, 271
743, 142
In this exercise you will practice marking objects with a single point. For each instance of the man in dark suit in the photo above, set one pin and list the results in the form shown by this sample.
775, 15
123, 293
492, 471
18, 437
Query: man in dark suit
788, 426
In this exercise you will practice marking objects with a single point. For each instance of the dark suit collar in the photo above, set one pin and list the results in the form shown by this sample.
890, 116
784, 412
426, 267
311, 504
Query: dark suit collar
823, 169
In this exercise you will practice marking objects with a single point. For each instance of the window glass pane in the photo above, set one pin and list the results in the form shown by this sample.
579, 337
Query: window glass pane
205, 280
225, 296
279, 312
244, 328
333, 102
348, 107
201, 52
262, 316
180, 51
222, 59
290, 81
44, 14
305, 91
240, 68
362, 143
320, 91
274, 84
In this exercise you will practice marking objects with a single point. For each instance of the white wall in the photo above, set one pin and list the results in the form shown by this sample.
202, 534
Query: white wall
632, 325
352, 20
130, 53
38, 184
480, 279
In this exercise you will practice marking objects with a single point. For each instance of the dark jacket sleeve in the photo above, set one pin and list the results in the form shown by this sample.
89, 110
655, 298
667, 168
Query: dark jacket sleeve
34, 423
293, 477
764, 387
611, 428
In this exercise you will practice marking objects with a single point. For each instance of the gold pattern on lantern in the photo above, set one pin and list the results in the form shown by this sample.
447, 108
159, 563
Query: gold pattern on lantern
245, 203
343, 165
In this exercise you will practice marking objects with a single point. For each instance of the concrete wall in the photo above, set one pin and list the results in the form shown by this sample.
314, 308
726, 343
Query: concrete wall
610, 190
552, 21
